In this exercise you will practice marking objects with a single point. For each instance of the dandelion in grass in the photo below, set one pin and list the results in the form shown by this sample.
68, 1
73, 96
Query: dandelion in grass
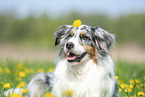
51, 69
24, 91
131, 86
40, 70
131, 81
140, 93
48, 94
20, 85
68, 92
22, 74
15, 95
116, 77
137, 80
123, 85
6, 85
142, 85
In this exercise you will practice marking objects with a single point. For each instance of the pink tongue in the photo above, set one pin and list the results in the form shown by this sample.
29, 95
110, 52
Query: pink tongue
71, 58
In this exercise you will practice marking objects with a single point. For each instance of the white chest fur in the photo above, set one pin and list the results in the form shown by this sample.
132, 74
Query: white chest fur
85, 80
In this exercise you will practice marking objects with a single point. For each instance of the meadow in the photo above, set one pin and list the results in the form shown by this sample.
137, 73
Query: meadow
130, 77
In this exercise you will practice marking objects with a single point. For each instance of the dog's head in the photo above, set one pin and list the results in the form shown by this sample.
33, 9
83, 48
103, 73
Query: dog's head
78, 44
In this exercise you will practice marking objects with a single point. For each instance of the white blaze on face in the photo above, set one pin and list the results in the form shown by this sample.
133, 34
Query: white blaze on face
78, 48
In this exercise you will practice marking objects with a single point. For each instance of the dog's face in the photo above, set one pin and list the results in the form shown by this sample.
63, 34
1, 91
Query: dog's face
78, 44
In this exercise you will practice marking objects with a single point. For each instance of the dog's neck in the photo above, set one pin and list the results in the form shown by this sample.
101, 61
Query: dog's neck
80, 69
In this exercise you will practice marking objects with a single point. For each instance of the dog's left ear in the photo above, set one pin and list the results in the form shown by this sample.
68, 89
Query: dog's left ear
61, 32
103, 39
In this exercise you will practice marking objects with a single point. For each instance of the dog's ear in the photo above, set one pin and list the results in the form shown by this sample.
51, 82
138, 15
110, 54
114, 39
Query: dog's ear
103, 39
61, 33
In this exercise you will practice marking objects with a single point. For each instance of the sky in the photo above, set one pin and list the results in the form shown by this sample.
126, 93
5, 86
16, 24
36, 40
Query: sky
56, 8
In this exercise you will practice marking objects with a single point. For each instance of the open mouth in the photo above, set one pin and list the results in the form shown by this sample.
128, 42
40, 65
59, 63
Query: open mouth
71, 57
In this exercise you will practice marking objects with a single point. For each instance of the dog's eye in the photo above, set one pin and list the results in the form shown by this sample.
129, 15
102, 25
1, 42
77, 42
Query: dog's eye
70, 35
84, 37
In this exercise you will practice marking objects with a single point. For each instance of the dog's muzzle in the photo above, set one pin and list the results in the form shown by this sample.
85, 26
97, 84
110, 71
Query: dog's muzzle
71, 57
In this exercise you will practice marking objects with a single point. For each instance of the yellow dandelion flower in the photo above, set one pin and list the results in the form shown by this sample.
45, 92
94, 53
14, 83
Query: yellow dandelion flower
6, 85
129, 90
131, 86
77, 23
51, 69
48, 94
143, 84
20, 85
15, 95
22, 74
8, 71
137, 80
20, 66
24, 91
1, 69
68, 92
123, 85
137, 86
131, 81
120, 89
144, 77
125, 90
116, 77
40, 70
140, 93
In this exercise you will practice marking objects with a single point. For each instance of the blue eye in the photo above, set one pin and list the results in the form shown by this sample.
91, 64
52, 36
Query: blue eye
70, 35
84, 37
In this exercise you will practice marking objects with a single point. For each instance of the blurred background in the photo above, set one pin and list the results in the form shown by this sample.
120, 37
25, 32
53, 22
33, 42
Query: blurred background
27, 26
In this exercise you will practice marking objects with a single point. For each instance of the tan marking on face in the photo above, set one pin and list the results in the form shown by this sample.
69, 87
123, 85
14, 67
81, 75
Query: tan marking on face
83, 33
91, 52
73, 32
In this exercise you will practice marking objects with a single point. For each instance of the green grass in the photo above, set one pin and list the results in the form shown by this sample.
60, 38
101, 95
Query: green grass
131, 76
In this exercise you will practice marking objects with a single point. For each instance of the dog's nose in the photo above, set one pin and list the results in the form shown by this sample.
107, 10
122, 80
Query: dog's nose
69, 45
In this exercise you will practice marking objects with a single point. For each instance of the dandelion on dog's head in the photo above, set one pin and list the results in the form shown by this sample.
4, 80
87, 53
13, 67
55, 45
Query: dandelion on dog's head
77, 23
6, 85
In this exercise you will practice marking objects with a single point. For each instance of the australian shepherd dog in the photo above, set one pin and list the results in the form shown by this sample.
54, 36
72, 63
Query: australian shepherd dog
84, 65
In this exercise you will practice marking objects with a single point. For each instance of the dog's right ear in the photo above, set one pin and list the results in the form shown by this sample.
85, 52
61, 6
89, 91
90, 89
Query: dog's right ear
61, 33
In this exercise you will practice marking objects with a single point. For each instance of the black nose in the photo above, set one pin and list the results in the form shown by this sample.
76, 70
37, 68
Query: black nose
69, 45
